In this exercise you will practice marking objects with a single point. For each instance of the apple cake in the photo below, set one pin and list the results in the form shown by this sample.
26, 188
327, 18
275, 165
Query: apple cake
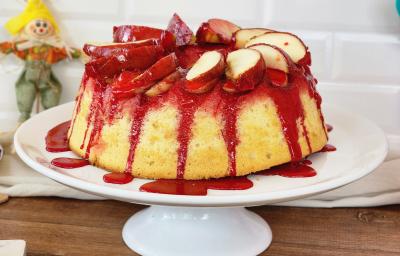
169, 104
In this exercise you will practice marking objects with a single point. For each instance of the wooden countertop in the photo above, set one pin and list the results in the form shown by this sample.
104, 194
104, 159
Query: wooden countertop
54, 226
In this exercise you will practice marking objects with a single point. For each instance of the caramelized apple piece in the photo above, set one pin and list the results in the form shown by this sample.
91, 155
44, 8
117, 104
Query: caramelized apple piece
245, 69
129, 33
96, 50
182, 32
290, 43
216, 31
208, 68
136, 58
156, 72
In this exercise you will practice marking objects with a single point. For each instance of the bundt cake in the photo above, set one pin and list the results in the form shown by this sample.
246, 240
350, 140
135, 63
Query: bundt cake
168, 104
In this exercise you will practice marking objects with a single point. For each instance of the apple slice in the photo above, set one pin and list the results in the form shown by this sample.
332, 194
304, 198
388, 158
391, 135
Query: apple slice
163, 85
273, 57
189, 54
129, 33
245, 69
290, 43
242, 36
216, 31
157, 71
277, 62
136, 58
210, 66
182, 32
97, 50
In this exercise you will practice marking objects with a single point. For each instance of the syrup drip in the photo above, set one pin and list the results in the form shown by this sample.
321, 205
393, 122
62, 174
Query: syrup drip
291, 170
329, 127
196, 187
328, 148
57, 138
77, 109
288, 115
229, 133
98, 122
117, 178
69, 163
187, 105
136, 128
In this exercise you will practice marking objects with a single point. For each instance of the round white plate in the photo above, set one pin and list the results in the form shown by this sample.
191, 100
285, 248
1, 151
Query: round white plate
361, 147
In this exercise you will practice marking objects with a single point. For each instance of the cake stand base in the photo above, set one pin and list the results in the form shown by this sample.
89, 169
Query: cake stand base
168, 230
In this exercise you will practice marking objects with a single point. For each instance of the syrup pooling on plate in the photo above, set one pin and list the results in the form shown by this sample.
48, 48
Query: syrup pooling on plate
301, 169
57, 138
328, 148
69, 163
196, 187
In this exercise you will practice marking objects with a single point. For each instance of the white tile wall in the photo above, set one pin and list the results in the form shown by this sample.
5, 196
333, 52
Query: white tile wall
355, 44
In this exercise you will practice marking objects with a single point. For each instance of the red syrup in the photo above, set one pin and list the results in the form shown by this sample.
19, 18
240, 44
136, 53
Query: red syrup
57, 138
117, 178
196, 187
69, 163
142, 107
329, 127
230, 111
290, 109
328, 148
188, 103
299, 169
78, 102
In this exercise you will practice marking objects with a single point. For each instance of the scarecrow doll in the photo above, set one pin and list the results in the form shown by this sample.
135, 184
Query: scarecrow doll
37, 43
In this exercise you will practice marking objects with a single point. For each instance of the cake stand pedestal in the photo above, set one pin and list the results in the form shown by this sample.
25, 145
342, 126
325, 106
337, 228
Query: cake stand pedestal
169, 230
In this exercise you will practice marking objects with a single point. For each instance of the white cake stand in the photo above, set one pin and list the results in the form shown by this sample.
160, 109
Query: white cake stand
216, 224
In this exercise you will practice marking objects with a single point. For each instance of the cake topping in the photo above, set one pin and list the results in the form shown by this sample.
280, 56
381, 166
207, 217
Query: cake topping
290, 43
205, 73
149, 56
242, 36
183, 34
245, 69
216, 31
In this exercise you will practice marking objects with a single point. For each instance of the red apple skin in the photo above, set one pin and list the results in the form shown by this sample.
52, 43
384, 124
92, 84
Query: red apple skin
164, 85
199, 87
216, 31
188, 55
229, 86
97, 51
212, 74
150, 76
250, 78
277, 77
206, 35
129, 33
136, 58
306, 59
182, 32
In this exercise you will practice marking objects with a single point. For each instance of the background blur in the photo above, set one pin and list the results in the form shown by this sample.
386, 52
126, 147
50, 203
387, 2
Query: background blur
355, 44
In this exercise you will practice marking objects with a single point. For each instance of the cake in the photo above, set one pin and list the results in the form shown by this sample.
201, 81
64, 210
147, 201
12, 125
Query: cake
168, 104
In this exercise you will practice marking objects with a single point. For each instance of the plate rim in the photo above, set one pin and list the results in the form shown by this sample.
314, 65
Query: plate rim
203, 201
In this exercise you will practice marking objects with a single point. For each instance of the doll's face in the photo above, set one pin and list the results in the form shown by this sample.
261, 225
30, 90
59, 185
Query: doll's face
39, 29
